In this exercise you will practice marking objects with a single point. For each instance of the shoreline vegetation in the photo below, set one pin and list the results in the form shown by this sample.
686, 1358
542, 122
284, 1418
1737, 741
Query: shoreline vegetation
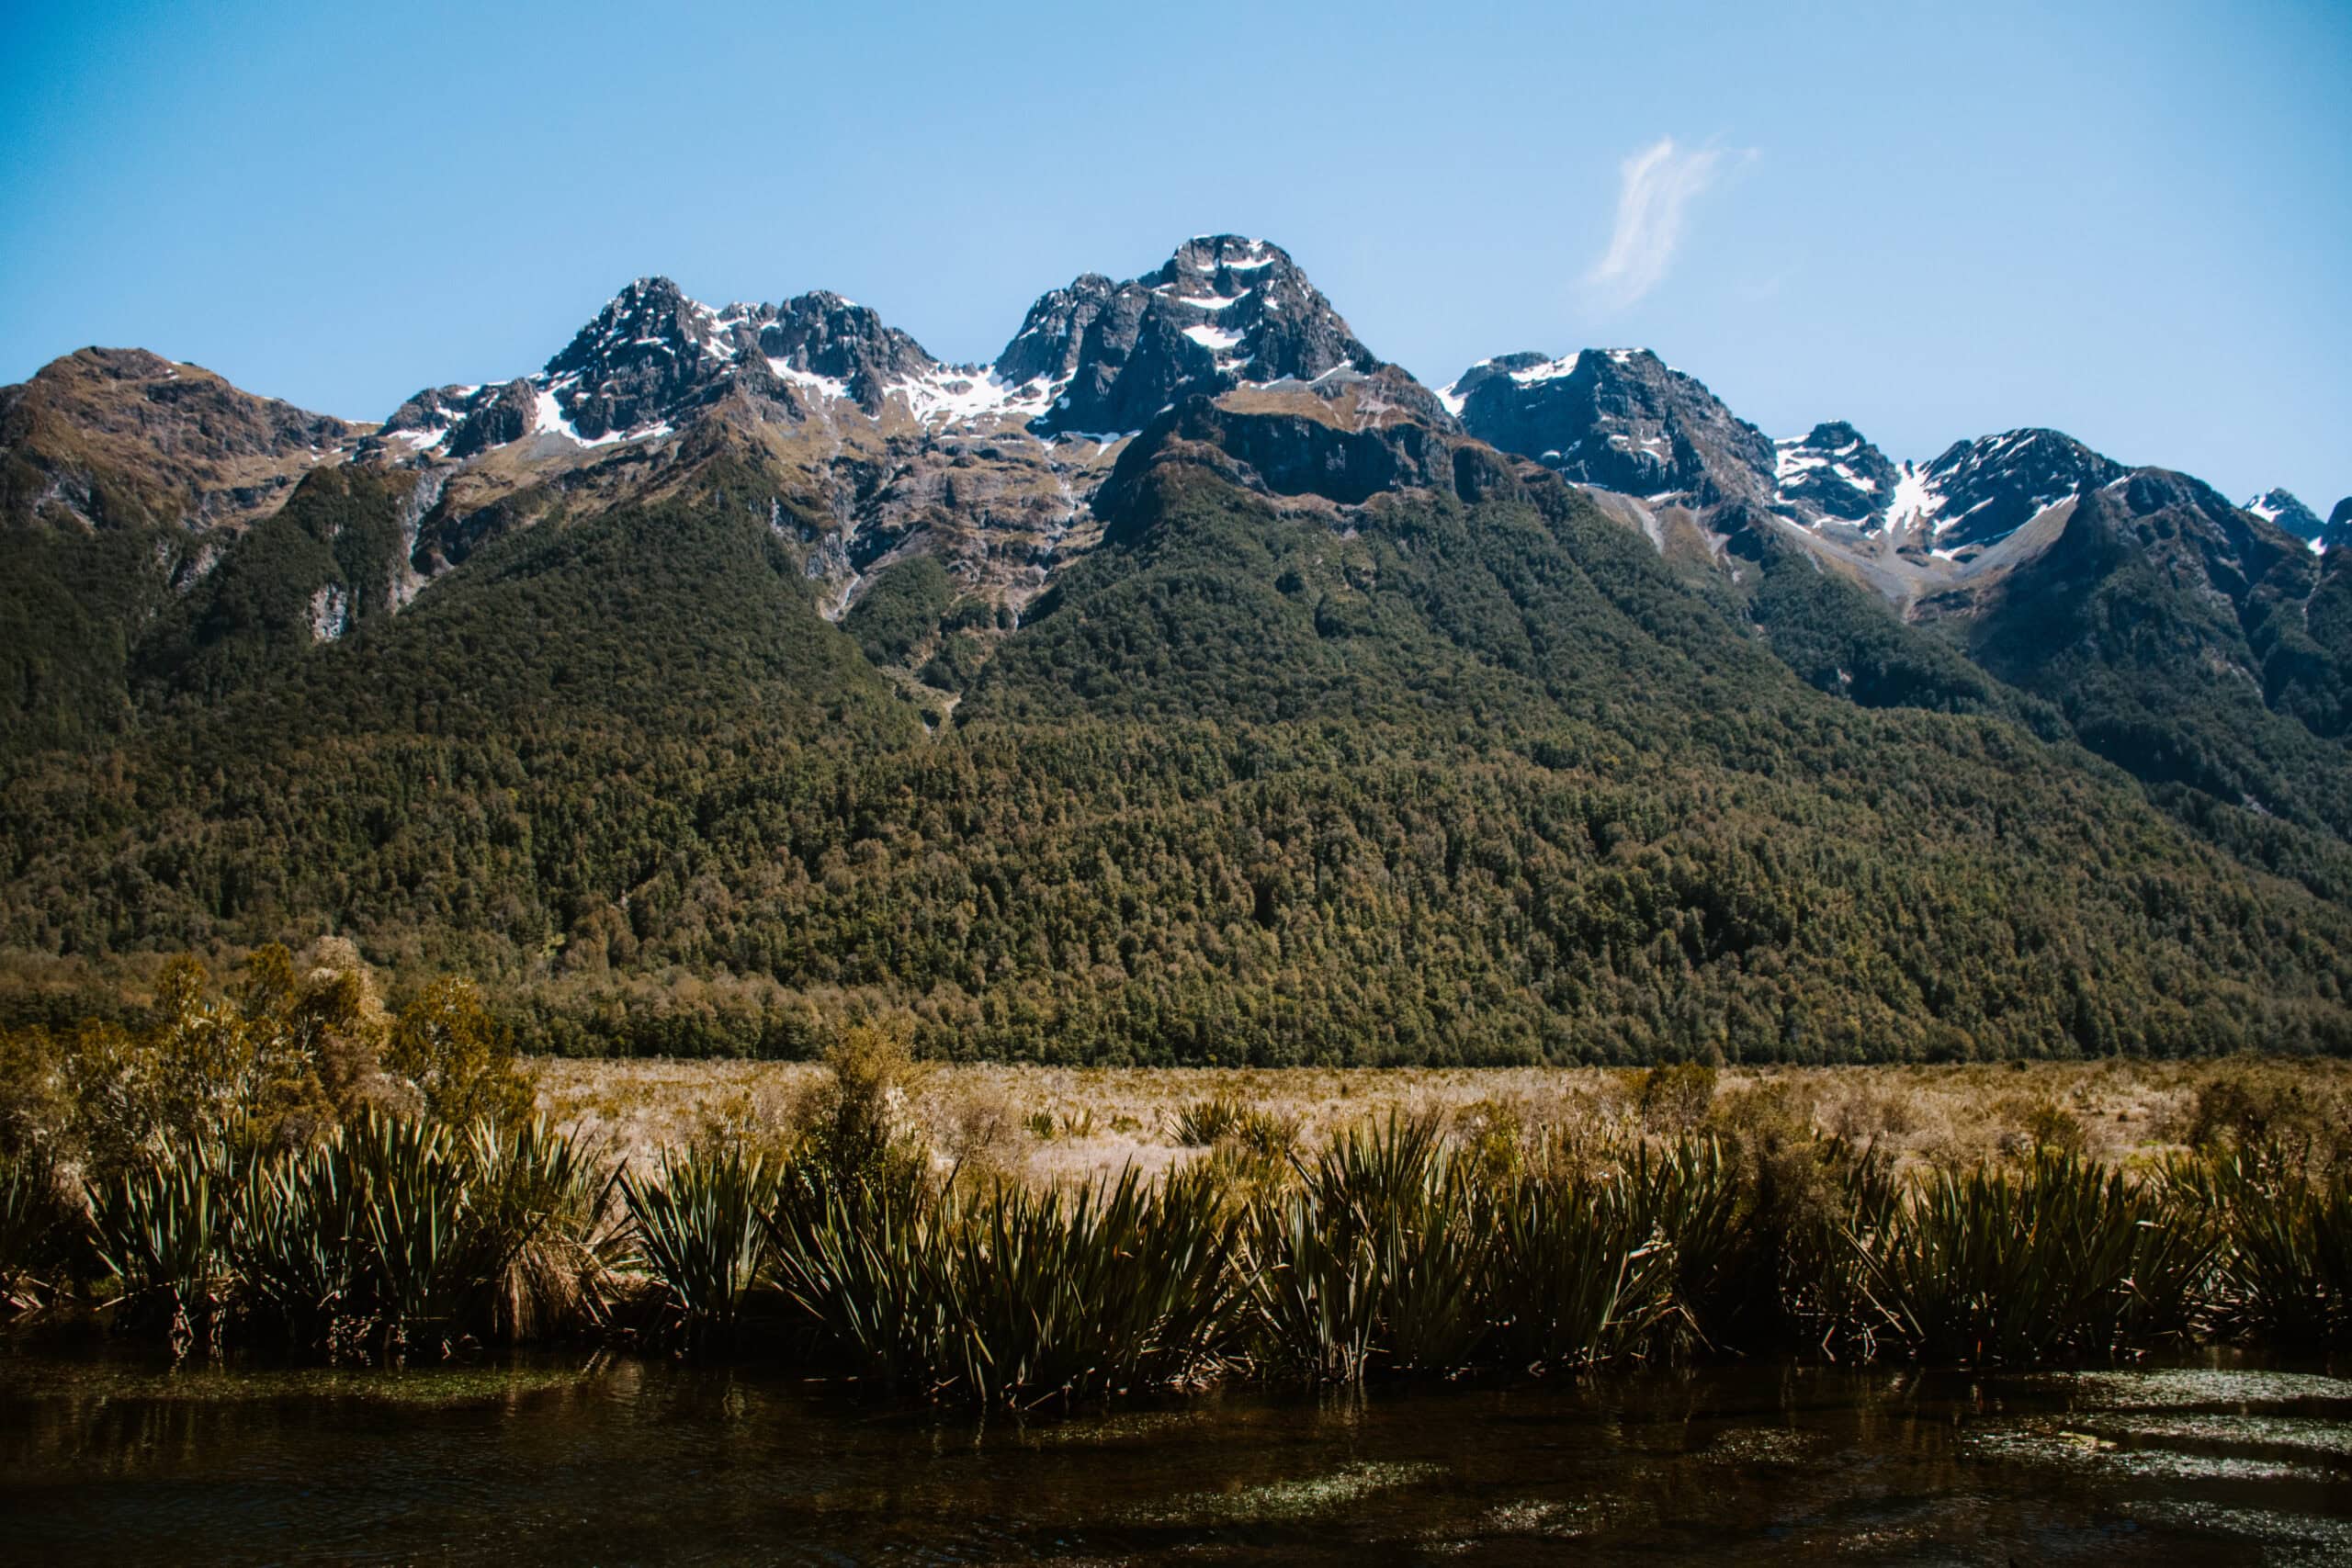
284, 1162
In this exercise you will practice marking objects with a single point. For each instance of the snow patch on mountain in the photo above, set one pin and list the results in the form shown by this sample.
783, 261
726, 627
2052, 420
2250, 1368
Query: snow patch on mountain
1553, 369
1918, 499
2286, 510
1214, 339
831, 388
954, 395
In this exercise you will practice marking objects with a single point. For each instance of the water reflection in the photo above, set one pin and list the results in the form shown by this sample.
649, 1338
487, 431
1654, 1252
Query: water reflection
633, 1460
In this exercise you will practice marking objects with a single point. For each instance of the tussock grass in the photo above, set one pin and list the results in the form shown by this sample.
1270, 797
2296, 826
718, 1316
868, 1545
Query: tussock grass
1684, 1217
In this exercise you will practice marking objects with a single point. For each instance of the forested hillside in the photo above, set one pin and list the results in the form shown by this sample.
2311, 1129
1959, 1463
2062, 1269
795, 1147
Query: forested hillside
1444, 780
747, 672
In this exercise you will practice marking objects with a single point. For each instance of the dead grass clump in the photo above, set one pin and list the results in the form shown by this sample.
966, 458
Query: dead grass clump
978, 1129
1872, 1116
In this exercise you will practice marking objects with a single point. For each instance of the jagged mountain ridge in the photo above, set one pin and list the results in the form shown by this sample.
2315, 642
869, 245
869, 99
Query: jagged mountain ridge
1301, 721
890, 450
869, 452
2195, 643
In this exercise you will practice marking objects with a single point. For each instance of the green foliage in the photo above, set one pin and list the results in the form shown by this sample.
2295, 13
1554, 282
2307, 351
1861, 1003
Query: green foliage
386, 1234
36, 1225
901, 610
161, 1228
1205, 1121
297, 1236
2284, 1246
854, 1127
2230, 697
32, 1090
1581, 1277
1674, 1097
1485, 784
1395, 1248
872, 1268
700, 1229
447, 1045
2062, 1258
1088, 1292
279, 1060
326, 563
1841, 639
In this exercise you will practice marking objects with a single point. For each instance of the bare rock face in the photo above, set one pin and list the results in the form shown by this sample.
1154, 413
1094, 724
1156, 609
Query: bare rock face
108, 437
1833, 474
2283, 508
647, 356
2339, 531
1621, 419
1223, 311
1344, 439
492, 417
825, 335
1048, 344
1976, 493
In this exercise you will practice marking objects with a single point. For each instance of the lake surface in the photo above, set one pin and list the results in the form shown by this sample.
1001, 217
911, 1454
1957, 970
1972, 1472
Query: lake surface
117, 1460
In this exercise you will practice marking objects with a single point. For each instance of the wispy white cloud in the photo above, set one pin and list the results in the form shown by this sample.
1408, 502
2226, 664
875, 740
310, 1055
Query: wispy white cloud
1656, 187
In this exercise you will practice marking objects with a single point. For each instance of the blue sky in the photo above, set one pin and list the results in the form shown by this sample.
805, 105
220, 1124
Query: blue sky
2130, 222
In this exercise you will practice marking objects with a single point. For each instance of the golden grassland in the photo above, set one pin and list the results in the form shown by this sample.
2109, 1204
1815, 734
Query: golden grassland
1053, 1124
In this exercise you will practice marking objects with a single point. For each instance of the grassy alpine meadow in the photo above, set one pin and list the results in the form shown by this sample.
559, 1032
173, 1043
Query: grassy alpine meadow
283, 1162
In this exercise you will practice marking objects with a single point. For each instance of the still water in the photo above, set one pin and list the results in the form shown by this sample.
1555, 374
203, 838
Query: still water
627, 1460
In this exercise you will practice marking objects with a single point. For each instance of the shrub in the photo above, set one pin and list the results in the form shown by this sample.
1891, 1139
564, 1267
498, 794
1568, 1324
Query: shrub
1207, 1122
457, 1059
1674, 1099
701, 1229
857, 1123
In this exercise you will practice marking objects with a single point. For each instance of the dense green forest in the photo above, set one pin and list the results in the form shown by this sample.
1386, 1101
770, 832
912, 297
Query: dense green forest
1456, 783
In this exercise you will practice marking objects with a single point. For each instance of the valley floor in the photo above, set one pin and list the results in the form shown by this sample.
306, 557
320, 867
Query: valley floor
1052, 1123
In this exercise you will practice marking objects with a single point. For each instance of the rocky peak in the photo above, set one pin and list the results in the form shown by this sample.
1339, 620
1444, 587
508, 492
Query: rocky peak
647, 356
485, 417
1832, 473
2192, 534
1223, 311
1046, 346
651, 318
2339, 531
653, 357
2282, 507
825, 342
1978, 492
1621, 419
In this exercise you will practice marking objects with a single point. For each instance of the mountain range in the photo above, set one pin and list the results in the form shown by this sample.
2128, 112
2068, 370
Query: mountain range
1187, 683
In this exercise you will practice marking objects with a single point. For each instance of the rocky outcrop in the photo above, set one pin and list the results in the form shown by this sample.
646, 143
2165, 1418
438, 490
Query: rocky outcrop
1222, 312
2282, 507
1832, 474
1978, 492
1346, 438
110, 438
1620, 419
826, 336
493, 416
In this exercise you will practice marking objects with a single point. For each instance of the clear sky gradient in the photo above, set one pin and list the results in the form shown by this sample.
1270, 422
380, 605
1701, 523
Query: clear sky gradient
2133, 221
